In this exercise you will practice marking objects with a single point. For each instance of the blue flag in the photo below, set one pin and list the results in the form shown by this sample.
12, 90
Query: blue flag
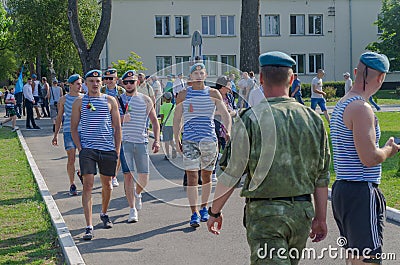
20, 84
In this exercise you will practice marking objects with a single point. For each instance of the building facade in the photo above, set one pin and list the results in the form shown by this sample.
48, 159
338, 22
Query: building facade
328, 34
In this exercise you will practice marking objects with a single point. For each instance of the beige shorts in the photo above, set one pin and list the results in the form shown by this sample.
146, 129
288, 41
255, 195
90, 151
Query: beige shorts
198, 156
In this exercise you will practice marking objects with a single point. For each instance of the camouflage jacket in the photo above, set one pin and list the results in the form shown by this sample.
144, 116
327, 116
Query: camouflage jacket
282, 146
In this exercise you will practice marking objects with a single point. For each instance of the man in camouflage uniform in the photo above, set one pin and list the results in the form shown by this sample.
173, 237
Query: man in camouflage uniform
281, 173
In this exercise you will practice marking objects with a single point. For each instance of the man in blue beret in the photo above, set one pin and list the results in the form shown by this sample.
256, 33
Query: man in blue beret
281, 174
197, 106
110, 78
136, 110
64, 116
98, 144
358, 205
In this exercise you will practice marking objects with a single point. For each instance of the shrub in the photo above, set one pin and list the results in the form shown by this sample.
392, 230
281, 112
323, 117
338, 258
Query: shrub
398, 91
337, 85
330, 92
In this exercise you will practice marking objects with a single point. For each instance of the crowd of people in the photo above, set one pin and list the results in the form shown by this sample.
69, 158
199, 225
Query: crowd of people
106, 119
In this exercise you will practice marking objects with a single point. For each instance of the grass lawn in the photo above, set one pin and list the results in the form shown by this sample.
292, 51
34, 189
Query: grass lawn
382, 97
390, 183
27, 235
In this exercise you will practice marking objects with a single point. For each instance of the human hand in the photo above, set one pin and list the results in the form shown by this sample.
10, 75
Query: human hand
227, 137
156, 146
319, 230
392, 143
179, 147
214, 225
127, 117
54, 141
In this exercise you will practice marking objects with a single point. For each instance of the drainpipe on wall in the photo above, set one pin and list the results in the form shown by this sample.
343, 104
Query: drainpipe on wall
351, 36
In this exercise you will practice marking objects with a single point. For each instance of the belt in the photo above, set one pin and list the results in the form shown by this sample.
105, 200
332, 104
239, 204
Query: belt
300, 198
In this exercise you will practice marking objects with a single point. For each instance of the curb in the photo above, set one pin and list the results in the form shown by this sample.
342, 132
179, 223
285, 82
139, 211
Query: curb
392, 214
71, 253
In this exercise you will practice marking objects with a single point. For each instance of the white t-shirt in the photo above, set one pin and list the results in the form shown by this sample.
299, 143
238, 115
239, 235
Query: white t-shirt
347, 85
178, 86
318, 82
255, 96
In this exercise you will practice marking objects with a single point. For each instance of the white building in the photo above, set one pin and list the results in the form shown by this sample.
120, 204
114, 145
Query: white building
328, 34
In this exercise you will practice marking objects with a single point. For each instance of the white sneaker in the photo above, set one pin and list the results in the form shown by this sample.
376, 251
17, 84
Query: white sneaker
15, 129
138, 201
133, 216
115, 182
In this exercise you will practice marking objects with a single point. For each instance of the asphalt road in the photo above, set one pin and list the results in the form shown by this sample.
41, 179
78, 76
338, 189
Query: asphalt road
162, 235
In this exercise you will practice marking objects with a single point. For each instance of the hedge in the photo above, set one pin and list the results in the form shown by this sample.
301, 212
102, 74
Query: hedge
338, 85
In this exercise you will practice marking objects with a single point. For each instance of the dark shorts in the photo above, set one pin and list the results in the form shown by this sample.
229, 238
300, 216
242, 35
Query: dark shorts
359, 209
105, 160
11, 111
321, 102
37, 99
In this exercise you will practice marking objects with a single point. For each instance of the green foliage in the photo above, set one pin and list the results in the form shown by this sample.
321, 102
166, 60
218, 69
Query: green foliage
5, 29
133, 62
337, 85
398, 91
389, 40
8, 65
330, 92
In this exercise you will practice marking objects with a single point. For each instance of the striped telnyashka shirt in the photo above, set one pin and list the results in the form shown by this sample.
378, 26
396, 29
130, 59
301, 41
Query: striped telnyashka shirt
346, 162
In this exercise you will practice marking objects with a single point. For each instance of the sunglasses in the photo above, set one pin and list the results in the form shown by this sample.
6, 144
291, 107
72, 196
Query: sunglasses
129, 82
108, 78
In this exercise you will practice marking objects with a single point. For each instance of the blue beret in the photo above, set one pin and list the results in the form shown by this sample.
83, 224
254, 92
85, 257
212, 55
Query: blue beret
93, 73
197, 66
276, 58
129, 73
110, 71
34, 76
73, 78
375, 61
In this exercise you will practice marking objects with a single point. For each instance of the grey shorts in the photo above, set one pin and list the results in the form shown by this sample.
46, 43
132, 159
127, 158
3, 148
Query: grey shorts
167, 133
53, 111
198, 156
135, 154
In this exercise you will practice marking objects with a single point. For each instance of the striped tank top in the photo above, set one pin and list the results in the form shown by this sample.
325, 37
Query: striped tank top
198, 116
69, 100
346, 162
97, 130
135, 131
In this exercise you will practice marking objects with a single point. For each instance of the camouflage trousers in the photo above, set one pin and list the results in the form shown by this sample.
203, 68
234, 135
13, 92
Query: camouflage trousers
277, 230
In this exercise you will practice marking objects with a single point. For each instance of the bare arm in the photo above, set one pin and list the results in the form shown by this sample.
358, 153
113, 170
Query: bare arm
319, 228
315, 89
359, 118
178, 119
155, 125
223, 111
295, 90
116, 123
60, 113
75, 118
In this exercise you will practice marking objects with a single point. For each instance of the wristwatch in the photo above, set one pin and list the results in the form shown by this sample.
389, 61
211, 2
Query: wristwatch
215, 215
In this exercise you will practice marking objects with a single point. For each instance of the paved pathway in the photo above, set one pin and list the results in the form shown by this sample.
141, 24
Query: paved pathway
162, 235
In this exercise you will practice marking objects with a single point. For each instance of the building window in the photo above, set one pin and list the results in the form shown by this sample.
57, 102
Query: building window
164, 64
228, 62
315, 24
315, 62
272, 25
162, 26
297, 24
300, 63
210, 61
182, 25
182, 65
208, 25
228, 25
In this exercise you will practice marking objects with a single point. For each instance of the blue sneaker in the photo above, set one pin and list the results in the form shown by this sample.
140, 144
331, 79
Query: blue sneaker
72, 190
195, 220
204, 215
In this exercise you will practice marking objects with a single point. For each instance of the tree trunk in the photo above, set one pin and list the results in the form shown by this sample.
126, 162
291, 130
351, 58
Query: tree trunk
39, 67
250, 36
89, 56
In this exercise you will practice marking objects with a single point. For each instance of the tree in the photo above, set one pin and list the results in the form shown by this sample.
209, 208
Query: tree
250, 35
389, 41
89, 56
5, 26
133, 63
